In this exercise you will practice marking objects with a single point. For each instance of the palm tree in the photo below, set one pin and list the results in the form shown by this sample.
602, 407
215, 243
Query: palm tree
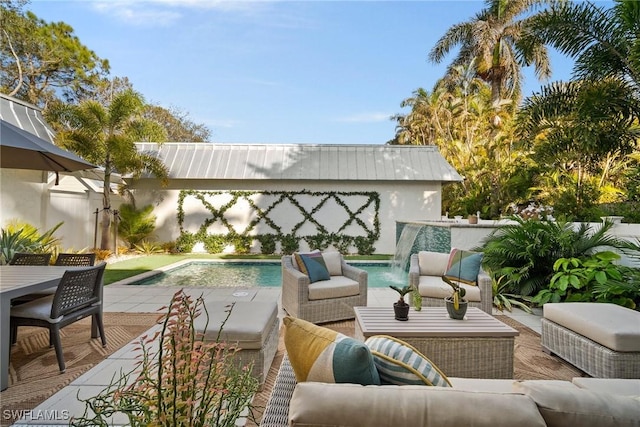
584, 125
105, 136
492, 39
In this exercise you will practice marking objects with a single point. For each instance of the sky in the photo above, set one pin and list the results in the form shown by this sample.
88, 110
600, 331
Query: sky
287, 72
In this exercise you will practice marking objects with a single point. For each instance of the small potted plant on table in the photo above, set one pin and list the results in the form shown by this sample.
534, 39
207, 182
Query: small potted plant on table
400, 307
456, 304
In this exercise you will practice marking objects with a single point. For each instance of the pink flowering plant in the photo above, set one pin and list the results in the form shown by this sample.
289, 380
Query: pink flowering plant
180, 379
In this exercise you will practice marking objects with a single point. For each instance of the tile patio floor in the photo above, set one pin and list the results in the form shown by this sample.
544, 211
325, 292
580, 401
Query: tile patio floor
120, 297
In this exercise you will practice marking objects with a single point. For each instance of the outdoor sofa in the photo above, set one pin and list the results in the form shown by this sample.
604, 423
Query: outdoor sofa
584, 402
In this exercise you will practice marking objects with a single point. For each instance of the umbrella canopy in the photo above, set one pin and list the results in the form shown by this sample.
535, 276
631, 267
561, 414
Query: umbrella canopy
20, 149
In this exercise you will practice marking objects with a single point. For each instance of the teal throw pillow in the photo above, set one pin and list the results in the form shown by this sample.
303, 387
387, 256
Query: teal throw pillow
464, 266
315, 266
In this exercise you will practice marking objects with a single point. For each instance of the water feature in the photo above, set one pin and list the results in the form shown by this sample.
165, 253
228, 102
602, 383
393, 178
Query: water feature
404, 247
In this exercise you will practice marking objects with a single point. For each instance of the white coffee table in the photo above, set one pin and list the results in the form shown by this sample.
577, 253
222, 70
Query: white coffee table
480, 346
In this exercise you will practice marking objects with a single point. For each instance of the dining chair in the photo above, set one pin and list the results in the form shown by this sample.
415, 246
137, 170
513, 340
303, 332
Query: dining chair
77, 296
22, 258
76, 260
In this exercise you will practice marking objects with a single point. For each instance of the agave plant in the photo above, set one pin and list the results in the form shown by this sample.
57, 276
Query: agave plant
23, 237
402, 292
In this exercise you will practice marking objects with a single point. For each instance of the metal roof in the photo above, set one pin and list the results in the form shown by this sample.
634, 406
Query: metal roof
303, 162
25, 116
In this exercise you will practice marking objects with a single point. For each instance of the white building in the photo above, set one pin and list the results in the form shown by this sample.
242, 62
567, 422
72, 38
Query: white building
304, 190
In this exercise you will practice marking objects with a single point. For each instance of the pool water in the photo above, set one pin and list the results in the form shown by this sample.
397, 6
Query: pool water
247, 274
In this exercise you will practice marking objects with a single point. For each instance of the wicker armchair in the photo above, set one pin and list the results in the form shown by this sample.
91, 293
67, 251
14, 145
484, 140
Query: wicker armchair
295, 293
76, 260
21, 258
433, 291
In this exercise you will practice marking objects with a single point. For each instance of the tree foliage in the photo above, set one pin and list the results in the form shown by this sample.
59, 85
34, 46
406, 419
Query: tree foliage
42, 61
106, 137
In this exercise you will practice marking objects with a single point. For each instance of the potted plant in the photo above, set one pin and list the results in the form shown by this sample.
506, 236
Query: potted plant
456, 304
400, 307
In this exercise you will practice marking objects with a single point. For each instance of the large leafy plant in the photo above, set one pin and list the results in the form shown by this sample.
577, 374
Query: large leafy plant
136, 224
594, 278
24, 237
523, 253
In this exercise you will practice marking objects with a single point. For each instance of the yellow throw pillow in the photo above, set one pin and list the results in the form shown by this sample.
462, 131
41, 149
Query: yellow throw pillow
320, 354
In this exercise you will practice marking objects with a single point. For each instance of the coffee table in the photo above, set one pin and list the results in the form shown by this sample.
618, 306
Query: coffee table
480, 346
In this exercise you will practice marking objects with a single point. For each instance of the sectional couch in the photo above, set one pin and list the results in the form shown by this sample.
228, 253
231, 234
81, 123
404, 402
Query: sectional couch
584, 402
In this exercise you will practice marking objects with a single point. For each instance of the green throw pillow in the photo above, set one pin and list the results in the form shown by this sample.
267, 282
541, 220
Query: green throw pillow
315, 266
400, 363
320, 354
464, 266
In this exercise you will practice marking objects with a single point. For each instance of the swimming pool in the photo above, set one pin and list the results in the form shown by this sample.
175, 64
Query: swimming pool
253, 274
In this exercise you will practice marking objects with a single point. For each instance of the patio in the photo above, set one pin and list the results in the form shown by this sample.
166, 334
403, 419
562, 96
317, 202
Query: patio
121, 298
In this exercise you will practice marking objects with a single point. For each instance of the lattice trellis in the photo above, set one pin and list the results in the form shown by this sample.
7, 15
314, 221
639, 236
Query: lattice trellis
352, 205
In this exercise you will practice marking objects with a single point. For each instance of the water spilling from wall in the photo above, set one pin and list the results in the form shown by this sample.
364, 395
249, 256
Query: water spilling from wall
404, 247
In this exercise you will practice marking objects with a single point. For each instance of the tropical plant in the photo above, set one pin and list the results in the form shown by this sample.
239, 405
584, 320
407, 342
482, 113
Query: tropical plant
24, 237
492, 39
181, 379
135, 224
503, 300
105, 136
525, 251
457, 293
401, 292
148, 248
592, 278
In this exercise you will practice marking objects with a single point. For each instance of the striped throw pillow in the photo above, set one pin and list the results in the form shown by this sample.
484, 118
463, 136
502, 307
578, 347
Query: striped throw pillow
400, 363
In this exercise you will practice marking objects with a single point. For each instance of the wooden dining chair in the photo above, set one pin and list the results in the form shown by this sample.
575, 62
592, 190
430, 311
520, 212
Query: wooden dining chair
78, 295
22, 258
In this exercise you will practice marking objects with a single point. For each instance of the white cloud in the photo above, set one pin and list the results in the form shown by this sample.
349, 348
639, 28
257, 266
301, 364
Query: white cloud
366, 118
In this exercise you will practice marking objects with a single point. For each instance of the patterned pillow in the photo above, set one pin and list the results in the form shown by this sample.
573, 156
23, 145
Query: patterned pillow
322, 355
464, 266
298, 261
401, 364
315, 266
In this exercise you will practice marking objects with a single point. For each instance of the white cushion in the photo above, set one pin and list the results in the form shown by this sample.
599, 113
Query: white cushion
37, 309
619, 386
611, 325
432, 263
333, 261
563, 406
435, 287
336, 287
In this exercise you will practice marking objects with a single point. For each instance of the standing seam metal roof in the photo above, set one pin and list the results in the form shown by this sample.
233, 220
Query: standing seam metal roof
25, 116
303, 162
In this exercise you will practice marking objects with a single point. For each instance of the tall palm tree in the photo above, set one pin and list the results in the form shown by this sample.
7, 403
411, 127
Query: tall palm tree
105, 136
493, 40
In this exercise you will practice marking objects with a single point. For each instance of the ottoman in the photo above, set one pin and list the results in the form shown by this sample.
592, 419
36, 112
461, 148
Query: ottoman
253, 326
601, 339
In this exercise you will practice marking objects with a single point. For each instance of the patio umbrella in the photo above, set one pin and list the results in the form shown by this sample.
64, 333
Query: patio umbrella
20, 149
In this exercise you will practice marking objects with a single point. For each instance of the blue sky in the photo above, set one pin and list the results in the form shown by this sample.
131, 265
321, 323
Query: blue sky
321, 72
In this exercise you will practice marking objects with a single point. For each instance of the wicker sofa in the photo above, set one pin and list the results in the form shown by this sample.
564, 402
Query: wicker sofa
327, 300
425, 272
583, 402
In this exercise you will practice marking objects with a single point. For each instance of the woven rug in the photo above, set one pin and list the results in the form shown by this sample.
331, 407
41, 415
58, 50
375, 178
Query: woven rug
530, 362
33, 372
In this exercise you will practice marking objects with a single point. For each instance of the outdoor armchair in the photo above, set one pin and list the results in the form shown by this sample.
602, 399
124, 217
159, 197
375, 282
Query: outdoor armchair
77, 296
76, 260
325, 300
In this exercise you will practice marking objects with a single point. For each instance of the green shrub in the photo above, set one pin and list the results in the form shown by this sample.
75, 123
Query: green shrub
267, 243
24, 237
214, 243
525, 252
364, 245
185, 242
136, 225
289, 244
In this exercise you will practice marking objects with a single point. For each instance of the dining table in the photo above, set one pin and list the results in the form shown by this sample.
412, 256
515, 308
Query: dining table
17, 281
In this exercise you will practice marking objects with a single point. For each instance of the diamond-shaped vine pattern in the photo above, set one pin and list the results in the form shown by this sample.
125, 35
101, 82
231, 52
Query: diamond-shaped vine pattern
321, 240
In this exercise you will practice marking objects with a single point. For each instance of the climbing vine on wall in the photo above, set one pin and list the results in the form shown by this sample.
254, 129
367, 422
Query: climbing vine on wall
290, 240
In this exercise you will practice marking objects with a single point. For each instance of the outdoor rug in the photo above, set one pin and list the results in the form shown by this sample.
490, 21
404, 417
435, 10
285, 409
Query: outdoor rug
34, 375
530, 362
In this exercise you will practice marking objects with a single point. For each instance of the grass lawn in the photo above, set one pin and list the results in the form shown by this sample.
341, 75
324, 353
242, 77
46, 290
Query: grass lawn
132, 267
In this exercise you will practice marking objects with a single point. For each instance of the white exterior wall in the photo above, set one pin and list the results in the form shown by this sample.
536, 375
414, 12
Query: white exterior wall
408, 200
32, 197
